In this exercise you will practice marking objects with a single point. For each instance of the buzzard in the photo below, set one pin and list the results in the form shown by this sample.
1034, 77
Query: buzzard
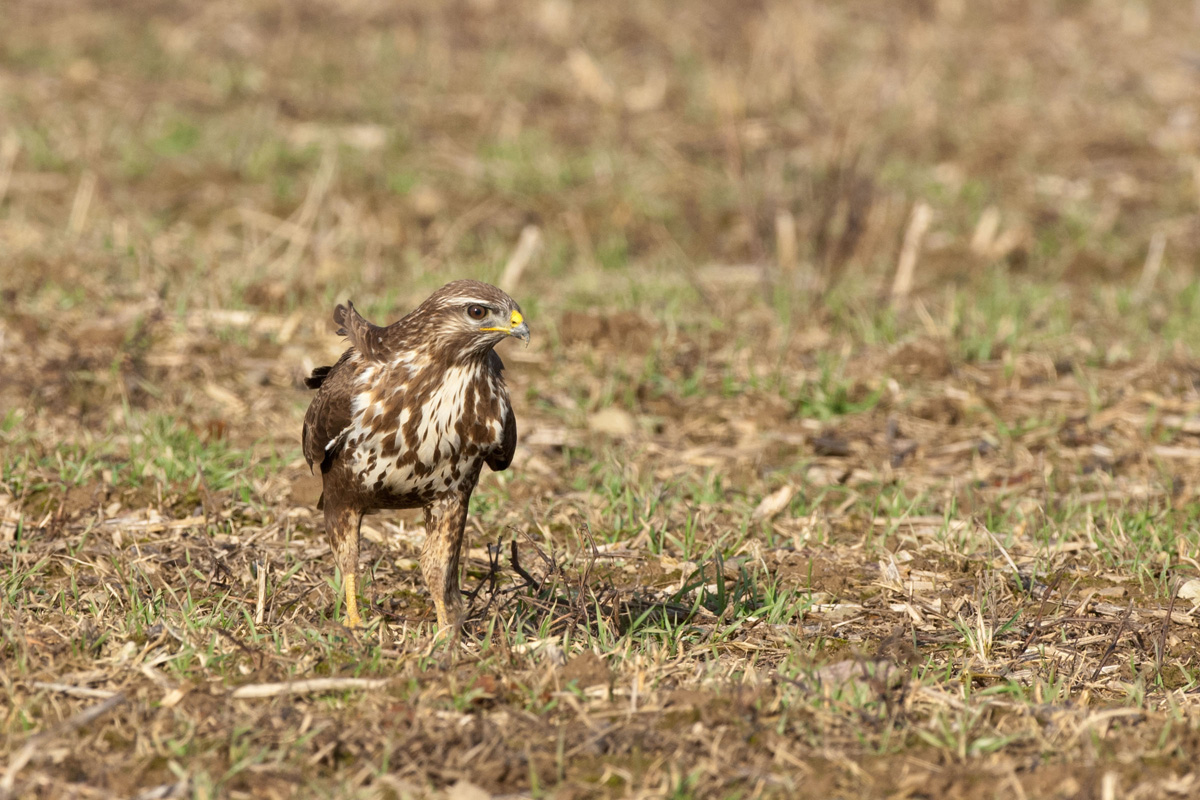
407, 418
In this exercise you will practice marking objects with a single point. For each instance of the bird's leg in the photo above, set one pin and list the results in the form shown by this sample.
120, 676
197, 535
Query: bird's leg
341, 525
445, 520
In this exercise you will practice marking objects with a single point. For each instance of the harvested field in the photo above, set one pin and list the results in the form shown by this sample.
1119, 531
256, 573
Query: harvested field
860, 428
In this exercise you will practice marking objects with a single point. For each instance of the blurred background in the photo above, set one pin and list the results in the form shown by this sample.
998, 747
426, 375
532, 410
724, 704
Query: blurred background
273, 156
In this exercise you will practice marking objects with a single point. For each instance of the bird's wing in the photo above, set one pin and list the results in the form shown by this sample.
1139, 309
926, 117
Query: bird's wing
328, 417
365, 336
500, 460
502, 457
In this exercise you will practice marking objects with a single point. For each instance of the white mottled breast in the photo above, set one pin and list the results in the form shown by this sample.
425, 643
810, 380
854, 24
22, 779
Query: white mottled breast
380, 439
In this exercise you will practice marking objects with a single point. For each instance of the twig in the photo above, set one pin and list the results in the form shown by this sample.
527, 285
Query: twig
81, 204
517, 568
1112, 646
1037, 622
1003, 552
1161, 645
593, 554
1152, 266
918, 224
528, 244
489, 579
260, 604
157, 525
311, 686
74, 691
785, 241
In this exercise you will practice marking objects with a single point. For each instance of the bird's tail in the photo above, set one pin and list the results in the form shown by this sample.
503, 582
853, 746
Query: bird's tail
317, 378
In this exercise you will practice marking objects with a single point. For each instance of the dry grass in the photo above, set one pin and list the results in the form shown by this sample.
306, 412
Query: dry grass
860, 430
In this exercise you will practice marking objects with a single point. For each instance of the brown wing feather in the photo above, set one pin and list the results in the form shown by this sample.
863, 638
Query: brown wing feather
508, 445
365, 336
328, 415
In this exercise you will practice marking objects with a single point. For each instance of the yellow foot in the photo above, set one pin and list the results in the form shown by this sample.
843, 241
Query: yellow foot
449, 618
352, 619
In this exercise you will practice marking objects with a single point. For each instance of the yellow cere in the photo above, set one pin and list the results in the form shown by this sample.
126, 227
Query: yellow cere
514, 321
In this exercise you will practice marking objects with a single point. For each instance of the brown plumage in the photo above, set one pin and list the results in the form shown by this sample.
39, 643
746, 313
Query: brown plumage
407, 418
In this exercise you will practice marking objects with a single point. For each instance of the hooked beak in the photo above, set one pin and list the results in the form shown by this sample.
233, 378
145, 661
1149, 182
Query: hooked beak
518, 327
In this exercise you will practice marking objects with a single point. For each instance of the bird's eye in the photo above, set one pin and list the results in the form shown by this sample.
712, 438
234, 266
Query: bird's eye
476, 312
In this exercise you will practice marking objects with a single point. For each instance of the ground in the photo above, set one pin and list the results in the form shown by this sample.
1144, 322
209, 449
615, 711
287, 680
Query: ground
860, 426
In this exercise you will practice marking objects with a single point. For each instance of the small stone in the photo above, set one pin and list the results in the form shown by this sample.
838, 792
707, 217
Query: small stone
774, 503
1190, 590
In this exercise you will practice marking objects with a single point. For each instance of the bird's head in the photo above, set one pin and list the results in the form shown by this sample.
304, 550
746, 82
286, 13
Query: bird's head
470, 318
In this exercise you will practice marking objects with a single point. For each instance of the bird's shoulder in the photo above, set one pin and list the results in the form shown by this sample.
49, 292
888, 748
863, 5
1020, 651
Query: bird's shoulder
330, 413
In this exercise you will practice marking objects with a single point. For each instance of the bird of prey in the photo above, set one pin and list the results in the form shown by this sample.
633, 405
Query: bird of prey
407, 418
